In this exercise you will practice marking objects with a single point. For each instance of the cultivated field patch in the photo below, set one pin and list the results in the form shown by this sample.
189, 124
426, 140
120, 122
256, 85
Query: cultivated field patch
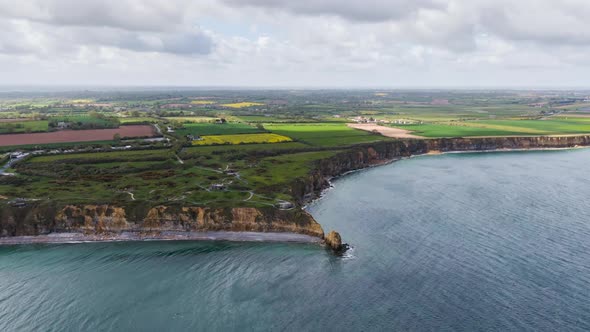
203, 129
242, 139
202, 102
77, 135
552, 126
187, 119
19, 126
385, 131
324, 134
242, 104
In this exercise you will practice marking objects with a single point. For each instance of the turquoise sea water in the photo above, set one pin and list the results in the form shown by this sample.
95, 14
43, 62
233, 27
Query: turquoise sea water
460, 242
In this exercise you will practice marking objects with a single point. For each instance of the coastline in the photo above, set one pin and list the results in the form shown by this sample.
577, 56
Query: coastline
62, 238
104, 223
330, 179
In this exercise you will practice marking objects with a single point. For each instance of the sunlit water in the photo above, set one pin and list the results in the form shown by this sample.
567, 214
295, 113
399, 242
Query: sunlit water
496, 241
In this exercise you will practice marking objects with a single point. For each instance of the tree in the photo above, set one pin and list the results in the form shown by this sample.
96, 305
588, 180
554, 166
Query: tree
117, 137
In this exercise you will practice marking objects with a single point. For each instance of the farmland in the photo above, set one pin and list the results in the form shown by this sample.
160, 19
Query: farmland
242, 104
202, 102
65, 136
139, 119
270, 139
23, 126
216, 129
552, 126
84, 122
241, 139
188, 119
324, 134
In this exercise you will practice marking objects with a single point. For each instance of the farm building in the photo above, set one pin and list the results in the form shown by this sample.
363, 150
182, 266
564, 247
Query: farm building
191, 137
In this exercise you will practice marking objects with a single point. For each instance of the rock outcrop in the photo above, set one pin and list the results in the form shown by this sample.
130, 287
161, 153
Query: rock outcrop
334, 241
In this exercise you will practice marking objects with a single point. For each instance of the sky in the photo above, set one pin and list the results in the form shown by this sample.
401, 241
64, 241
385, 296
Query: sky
302, 43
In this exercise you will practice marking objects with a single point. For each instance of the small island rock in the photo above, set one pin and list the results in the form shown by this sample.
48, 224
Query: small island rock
334, 241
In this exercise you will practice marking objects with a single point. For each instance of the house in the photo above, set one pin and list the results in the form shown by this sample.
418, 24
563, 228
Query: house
191, 138
63, 125
169, 129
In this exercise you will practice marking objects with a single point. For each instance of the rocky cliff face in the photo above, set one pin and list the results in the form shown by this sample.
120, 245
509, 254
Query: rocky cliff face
100, 219
368, 155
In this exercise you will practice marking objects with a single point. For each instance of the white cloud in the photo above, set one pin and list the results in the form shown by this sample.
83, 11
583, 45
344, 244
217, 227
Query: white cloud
306, 42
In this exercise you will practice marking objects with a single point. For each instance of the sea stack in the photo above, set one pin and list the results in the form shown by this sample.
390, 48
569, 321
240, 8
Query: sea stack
334, 241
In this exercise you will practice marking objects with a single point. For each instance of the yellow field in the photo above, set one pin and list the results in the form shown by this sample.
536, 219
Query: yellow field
195, 119
202, 102
242, 139
81, 101
242, 104
380, 94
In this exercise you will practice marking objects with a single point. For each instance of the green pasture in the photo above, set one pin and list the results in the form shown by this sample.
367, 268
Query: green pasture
203, 129
324, 134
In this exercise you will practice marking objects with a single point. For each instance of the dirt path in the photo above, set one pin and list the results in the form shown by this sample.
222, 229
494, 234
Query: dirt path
178, 158
385, 131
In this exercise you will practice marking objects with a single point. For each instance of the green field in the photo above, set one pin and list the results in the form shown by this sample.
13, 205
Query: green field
552, 126
277, 172
101, 156
24, 126
139, 119
196, 151
84, 122
324, 134
156, 177
188, 119
203, 129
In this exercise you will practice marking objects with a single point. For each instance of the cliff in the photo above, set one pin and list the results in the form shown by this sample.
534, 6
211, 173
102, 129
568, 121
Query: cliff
46, 217
367, 155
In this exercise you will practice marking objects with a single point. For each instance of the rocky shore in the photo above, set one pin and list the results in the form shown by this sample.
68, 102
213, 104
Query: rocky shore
161, 236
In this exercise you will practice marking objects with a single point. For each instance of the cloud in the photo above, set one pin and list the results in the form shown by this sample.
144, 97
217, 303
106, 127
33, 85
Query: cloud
190, 42
141, 26
364, 11
542, 22
373, 42
145, 15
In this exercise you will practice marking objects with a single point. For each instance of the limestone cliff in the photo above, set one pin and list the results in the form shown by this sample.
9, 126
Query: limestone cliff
367, 155
46, 218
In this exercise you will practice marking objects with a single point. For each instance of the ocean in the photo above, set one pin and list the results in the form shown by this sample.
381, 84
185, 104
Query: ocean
455, 242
